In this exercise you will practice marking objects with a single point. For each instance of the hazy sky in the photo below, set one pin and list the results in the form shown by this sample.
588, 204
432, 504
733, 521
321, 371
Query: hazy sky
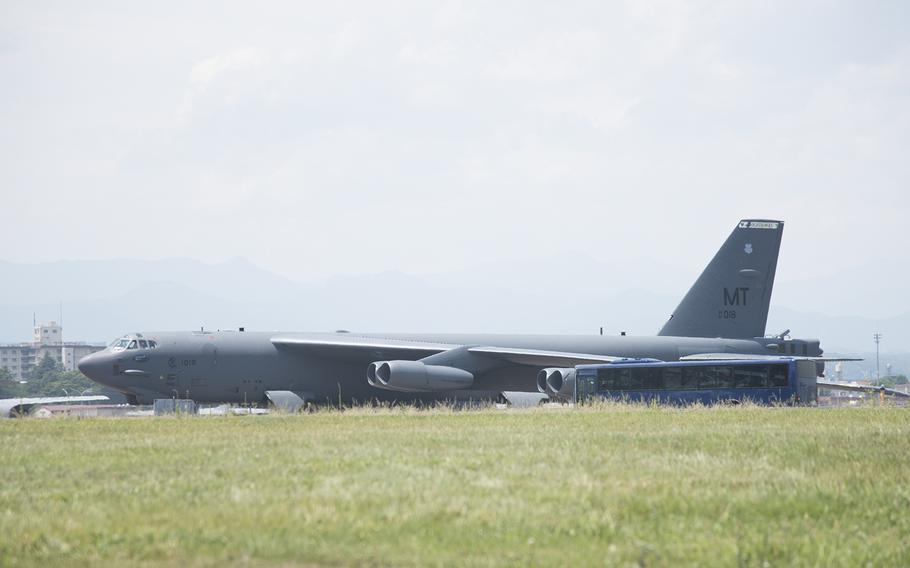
315, 138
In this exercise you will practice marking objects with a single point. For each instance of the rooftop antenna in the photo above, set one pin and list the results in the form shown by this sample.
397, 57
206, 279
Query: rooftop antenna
61, 313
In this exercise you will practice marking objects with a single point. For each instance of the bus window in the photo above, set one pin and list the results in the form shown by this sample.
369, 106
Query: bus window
691, 376
742, 377
607, 379
751, 376
707, 379
648, 378
767, 380
779, 376
637, 378
653, 378
625, 379
672, 378
723, 376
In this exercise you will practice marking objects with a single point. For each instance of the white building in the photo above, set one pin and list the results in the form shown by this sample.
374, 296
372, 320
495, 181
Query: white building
47, 339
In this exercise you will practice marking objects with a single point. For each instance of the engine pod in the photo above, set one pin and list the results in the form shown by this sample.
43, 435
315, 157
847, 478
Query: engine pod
415, 376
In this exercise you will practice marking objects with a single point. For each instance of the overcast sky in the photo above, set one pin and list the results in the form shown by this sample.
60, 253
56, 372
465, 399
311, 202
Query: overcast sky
315, 138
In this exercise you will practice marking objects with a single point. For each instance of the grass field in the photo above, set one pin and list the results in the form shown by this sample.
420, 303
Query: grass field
613, 484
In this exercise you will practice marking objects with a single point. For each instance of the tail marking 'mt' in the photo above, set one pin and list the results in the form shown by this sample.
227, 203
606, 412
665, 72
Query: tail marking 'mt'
732, 296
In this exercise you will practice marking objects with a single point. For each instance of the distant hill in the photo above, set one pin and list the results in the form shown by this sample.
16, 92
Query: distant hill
844, 333
865, 369
103, 299
874, 291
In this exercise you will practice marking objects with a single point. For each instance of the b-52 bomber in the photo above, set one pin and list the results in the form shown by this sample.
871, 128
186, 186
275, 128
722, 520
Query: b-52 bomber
725, 312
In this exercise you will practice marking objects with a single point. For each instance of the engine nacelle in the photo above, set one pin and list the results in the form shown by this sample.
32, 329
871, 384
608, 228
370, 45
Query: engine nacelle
558, 383
542, 379
414, 376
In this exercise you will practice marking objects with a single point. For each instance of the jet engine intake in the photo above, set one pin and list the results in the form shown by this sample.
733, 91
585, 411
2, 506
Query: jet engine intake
558, 383
542, 380
414, 376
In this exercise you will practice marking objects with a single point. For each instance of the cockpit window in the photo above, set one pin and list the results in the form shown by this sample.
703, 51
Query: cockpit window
122, 343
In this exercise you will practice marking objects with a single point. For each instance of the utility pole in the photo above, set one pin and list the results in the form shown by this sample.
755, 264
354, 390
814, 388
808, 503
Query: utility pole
877, 337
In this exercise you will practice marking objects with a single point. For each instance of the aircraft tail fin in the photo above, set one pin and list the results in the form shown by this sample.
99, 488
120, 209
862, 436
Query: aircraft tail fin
731, 297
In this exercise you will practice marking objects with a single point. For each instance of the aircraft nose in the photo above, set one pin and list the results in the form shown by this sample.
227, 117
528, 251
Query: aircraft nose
90, 366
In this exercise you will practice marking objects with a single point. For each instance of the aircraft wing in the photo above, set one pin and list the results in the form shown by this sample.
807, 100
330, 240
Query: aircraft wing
356, 347
862, 388
9, 406
540, 358
370, 349
738, 356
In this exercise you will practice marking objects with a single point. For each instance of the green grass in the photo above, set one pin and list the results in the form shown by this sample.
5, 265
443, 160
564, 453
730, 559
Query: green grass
613, 484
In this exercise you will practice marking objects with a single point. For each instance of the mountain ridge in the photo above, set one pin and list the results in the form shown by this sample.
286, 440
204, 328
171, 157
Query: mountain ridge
102, 299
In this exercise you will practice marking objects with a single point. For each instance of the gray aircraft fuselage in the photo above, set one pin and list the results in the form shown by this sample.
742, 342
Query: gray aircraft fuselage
238, 367
730, 299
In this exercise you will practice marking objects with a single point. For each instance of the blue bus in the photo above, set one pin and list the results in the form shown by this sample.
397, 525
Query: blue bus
777, 380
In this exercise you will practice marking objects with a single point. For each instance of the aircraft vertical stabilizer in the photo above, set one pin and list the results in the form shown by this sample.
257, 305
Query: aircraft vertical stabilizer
731, 297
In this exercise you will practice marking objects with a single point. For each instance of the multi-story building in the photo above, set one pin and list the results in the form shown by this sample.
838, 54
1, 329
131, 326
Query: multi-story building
21, 358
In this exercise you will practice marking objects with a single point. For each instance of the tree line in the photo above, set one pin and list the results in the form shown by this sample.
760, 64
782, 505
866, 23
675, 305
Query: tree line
48, 378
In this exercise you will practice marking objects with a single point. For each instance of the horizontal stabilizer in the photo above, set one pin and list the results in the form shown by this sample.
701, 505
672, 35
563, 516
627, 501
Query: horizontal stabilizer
863, 388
